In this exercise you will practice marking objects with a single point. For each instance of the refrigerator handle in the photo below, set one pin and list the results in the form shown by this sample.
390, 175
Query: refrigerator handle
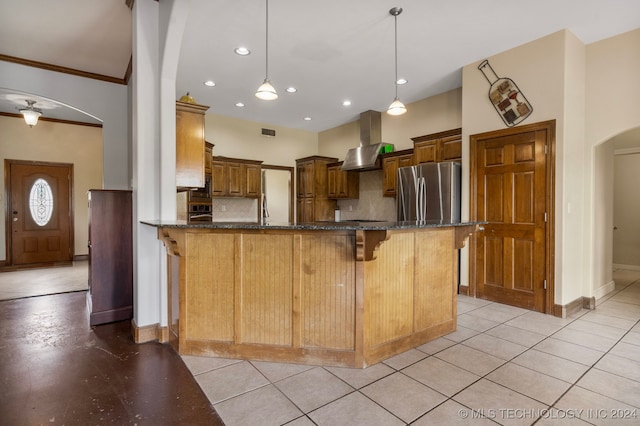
423, 199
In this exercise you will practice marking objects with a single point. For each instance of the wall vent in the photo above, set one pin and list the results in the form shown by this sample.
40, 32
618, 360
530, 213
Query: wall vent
268, 132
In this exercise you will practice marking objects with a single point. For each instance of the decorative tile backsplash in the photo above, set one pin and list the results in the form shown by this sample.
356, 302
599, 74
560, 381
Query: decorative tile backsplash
371, 205
235, 209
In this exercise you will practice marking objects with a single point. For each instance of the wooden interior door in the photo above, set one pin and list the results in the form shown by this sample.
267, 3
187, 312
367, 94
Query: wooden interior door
39, 215
511, 187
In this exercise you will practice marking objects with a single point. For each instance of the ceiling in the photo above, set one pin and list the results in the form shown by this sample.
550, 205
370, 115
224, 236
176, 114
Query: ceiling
330, 50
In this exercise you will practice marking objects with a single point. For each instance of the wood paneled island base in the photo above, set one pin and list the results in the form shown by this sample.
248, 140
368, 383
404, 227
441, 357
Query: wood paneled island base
347, 296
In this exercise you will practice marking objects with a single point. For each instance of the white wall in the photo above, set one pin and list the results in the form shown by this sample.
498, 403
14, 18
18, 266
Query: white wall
604, 216
626, 211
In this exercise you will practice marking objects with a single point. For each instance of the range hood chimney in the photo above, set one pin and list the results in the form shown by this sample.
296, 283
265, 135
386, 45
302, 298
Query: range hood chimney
365, 156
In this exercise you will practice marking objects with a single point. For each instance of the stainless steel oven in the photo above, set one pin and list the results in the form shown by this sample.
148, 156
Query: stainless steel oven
199, 212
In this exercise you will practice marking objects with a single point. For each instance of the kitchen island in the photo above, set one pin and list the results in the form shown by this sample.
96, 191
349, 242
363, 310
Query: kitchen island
324, 293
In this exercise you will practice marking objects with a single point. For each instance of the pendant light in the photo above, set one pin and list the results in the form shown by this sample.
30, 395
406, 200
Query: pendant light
266, 91
30, 113
396, 107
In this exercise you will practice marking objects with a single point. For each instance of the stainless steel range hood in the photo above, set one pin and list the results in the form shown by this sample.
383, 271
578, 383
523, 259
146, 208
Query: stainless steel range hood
365, 156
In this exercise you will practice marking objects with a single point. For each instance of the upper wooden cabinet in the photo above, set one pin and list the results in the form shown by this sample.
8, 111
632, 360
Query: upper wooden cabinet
438, 147
390, 164
233, 177
190, 147
313, 202
340, 183
208, 157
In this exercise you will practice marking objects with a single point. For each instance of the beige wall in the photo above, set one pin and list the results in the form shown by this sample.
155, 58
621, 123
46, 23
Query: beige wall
430, 115
571, 83
238, 138
61, 143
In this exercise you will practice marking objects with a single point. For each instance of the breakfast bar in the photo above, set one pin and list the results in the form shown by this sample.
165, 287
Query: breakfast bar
323, 293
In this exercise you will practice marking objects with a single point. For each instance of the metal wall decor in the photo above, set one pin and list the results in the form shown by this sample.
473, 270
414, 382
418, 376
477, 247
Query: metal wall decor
505, 96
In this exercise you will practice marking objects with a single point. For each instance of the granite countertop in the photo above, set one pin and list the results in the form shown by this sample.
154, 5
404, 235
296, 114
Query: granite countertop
320, 226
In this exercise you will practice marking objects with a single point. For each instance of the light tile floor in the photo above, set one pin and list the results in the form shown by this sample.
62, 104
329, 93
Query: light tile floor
503, 365
39, 282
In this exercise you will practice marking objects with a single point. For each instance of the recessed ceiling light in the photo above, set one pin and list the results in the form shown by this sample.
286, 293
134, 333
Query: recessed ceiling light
346, 103
401, 81
239, 104
209, 83
291, 90
242, 51
307, 119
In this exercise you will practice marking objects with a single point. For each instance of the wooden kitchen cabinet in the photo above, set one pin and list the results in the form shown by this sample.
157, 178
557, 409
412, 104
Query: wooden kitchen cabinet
234, 177
390, 164
312, 189
208, 157
110, 295
438, 147
190, 145
340, 183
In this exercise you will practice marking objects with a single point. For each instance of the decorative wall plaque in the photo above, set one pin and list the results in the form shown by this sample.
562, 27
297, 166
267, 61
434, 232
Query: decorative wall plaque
505, 96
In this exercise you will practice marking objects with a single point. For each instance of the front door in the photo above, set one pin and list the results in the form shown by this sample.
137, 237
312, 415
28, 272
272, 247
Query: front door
39, 215
510, 180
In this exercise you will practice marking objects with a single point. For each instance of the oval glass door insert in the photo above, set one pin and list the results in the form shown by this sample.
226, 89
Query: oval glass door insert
41, 202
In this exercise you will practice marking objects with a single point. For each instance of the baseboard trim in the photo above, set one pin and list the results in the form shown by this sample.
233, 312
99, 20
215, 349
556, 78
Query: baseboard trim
80, 257
149, 333
463, 289
605, 289
564, 311
629, 267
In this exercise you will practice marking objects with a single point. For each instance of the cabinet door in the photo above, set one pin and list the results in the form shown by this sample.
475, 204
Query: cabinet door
309, 210
389, 171
190, 146
219, 179
299, 179
333, 177
426, 152
253, 178
450, 149
405, 161
308, 179
235, 175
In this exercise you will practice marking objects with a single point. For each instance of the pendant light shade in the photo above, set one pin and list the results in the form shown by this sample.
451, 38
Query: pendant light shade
30, 113
396, 107
266, 91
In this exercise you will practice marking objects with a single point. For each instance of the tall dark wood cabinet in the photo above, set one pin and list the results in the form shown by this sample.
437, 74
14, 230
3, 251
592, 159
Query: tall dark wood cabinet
110, 296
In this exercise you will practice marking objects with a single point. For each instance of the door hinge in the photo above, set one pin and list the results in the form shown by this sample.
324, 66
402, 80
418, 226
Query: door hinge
545, 284
545, 217
545, 149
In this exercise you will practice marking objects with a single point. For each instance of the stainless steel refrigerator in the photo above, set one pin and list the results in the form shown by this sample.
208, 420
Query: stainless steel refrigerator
429, 192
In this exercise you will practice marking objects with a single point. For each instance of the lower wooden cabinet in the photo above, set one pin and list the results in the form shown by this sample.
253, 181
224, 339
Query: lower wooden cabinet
110, 296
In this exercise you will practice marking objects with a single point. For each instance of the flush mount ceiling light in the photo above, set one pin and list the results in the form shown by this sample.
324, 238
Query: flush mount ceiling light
401, 81
242, 51
239, 104
396, 107
30, 113
209, 83
266, 91
346, 103
291, 90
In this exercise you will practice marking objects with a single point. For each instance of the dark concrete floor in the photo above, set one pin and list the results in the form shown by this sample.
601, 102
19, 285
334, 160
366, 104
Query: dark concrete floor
55, 369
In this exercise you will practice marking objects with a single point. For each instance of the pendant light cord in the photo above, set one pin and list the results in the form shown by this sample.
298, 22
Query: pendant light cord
266, 71
395, 20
